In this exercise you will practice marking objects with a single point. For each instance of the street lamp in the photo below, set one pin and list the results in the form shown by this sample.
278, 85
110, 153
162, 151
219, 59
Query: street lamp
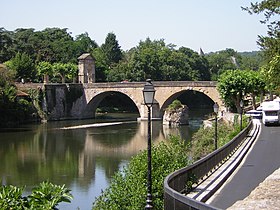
216, 110
149, 94
241, 112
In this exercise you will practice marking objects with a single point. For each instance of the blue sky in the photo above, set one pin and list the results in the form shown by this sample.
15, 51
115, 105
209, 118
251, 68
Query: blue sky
208, 24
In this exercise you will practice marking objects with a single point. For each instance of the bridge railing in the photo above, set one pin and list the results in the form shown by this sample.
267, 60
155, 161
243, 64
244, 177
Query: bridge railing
175, 183
156, 84
127, 84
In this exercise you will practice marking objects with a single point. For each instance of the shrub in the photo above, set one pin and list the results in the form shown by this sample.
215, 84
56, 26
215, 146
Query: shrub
46, 196
203, 140
128, 187
176, 104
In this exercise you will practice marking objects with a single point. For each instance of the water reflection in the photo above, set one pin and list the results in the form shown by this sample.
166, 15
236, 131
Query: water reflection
82, 159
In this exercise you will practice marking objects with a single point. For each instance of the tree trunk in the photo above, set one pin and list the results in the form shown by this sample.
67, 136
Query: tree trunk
46, 79
254, 101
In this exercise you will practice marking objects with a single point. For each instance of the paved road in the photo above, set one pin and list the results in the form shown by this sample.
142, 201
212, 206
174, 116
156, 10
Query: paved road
262, 160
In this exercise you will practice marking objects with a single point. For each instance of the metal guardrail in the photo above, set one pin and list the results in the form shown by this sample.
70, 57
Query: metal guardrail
175, 183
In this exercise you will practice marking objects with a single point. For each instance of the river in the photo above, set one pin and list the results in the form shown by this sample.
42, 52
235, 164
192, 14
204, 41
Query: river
83, 155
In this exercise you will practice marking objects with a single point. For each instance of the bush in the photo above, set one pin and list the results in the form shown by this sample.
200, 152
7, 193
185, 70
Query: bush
203, 140
128, 188
176, 104
46, 196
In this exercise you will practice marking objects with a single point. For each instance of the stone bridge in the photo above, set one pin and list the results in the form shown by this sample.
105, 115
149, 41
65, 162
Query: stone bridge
80, 101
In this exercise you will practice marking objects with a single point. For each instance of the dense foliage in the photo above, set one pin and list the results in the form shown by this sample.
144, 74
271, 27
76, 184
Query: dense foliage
176, 104
233, 85
45, 196
13, 110
24, 50
155, 59
271, 72
203, 140
128, 187
270, 44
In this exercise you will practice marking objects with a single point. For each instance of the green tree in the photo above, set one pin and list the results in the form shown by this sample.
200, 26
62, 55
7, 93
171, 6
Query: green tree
65, 71
6, 43
231, 85
251, 60
6, 76
234, 84
111, 49
72, 71
221, 61
44, 69
271, 73
24, 41
271, 10
101, 66
146, 58
23, 66
255, 85
197, 63
12, 111
155, 59
60, 70
84, 43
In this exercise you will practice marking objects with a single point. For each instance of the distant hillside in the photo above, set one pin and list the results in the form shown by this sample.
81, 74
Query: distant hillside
250, 54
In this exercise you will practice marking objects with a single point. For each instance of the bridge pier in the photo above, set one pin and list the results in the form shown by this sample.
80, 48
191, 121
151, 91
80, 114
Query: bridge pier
155, 112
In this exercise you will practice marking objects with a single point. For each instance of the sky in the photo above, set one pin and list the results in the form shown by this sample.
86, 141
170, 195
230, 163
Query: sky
211, 25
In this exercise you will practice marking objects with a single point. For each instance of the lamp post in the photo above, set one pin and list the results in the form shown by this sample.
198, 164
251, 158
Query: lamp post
148, 94
241, 112
216, 110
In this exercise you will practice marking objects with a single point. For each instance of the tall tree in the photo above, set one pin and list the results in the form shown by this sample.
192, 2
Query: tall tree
197, 63
271, 72
24, 42
6, 42
23, 66
54, 45
221, 61
234, 84
84, 44
111, 49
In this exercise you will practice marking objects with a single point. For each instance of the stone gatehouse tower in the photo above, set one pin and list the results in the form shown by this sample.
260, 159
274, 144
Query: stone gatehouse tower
86, 69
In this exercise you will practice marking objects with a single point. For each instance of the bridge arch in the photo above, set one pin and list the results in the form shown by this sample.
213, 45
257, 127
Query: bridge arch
165, 96
190, 94
97, 99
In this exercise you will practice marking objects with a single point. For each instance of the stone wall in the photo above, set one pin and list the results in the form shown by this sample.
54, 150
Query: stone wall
64, 101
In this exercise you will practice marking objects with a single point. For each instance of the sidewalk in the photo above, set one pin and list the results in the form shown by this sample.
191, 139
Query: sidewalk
265, 196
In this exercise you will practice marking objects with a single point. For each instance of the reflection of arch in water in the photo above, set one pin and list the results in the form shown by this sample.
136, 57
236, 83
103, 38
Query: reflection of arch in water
190, 98
132, 146
182, 132
96, 101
